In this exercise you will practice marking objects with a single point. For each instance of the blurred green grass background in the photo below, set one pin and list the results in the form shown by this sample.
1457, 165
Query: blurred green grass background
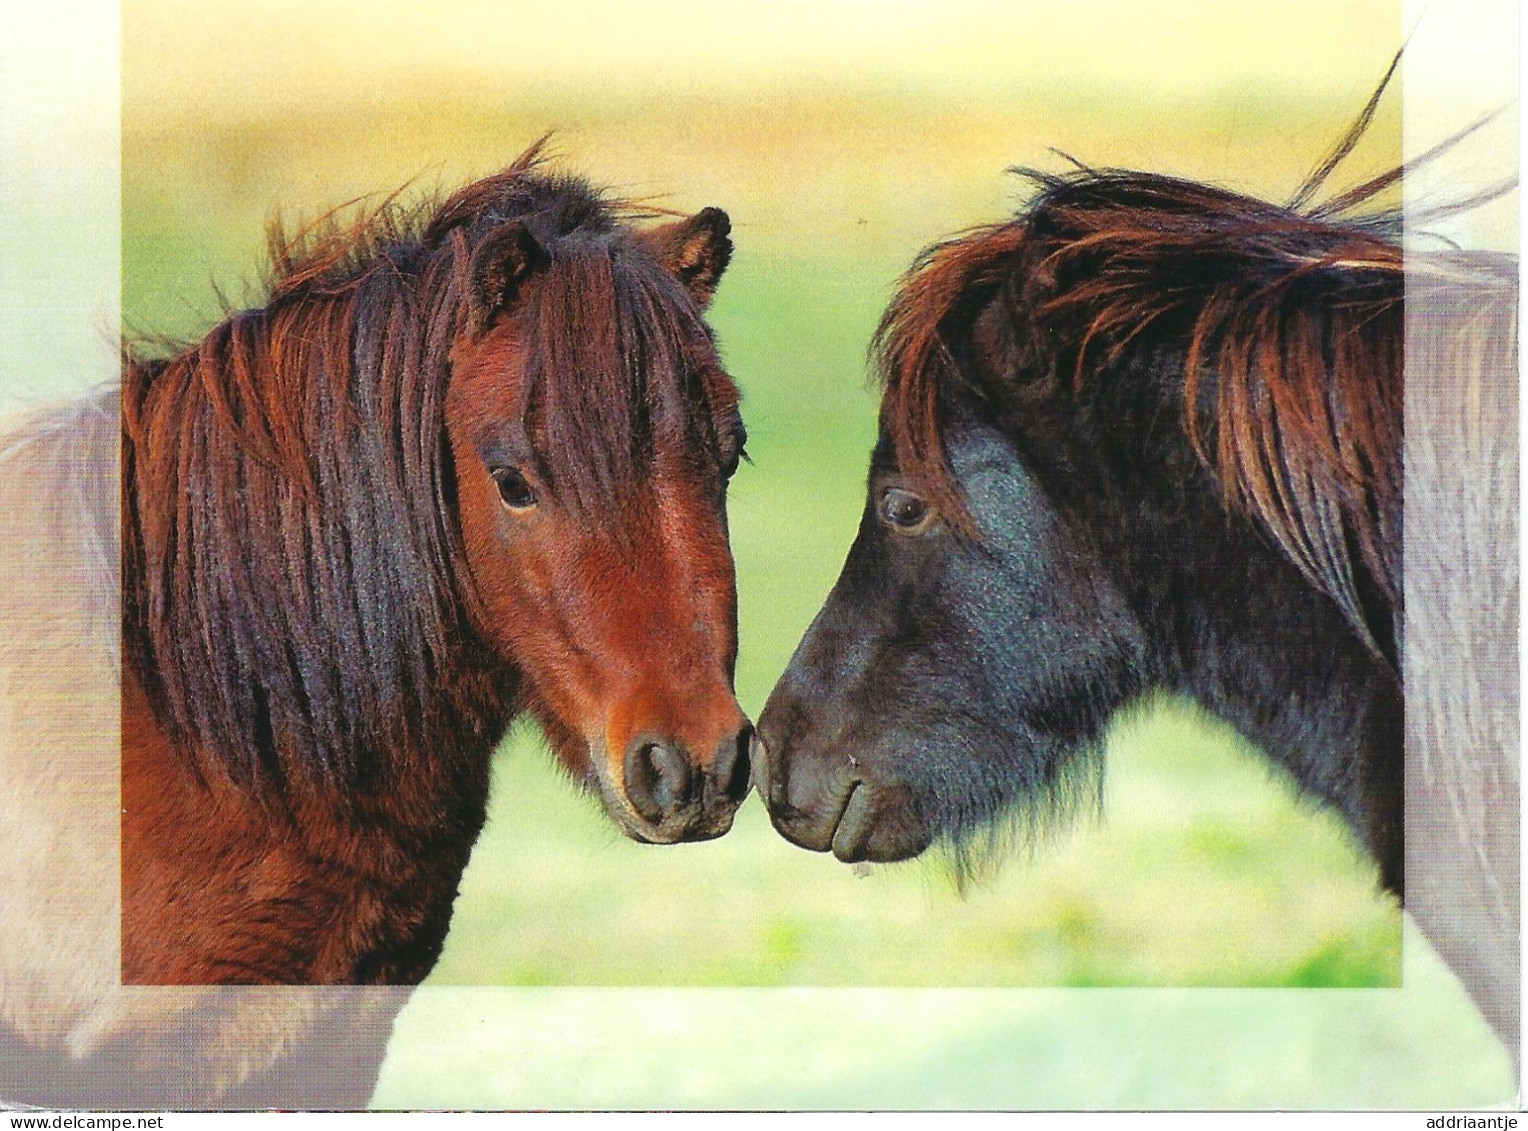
1205, 869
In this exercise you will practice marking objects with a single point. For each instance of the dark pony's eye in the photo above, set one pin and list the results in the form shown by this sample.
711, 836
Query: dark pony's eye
514, 488
903, 511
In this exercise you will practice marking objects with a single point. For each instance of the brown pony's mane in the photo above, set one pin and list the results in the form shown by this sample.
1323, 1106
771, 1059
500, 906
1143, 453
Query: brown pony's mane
1284, 324
296, 599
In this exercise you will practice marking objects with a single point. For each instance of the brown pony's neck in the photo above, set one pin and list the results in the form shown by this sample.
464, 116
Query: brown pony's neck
291, 563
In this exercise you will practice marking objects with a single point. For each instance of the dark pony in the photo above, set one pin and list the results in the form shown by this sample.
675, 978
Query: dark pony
1151, 434
467, 461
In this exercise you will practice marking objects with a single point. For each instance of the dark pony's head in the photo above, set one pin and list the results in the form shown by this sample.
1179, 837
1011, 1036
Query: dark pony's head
1272, 335
1145, 434
466, 461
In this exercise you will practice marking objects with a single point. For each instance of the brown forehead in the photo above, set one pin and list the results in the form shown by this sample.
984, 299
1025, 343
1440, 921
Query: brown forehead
588, 411
488, 379
491, 369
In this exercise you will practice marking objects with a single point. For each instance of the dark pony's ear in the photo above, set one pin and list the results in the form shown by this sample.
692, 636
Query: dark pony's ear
695, 251
501, 263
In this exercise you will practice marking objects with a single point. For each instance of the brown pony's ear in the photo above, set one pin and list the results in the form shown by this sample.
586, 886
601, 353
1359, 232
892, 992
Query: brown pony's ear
499, 265
695, 251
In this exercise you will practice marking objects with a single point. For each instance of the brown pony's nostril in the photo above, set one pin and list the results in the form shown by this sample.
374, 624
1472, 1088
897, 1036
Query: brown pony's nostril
658, 780
732, 770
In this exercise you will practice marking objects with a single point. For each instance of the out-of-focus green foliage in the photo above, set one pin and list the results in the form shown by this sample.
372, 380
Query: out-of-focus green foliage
1204, 869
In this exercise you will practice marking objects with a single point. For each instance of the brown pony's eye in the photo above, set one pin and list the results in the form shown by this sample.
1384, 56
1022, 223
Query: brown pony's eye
514, 489
734, 451
903, 510
731, 461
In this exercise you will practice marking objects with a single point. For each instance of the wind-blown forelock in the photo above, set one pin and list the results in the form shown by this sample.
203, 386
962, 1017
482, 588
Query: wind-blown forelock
919, 352
1288, 325
619, 363
296, 600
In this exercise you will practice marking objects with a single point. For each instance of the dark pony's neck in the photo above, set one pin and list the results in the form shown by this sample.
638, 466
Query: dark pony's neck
297, 604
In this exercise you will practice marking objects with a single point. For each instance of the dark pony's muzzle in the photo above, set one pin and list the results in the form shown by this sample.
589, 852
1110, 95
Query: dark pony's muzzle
829, 800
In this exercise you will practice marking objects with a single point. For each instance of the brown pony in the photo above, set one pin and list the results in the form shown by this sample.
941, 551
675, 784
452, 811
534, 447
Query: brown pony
465, 463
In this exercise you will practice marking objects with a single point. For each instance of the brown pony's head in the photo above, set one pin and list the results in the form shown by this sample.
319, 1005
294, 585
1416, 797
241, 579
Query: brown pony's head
469, 459
592, 431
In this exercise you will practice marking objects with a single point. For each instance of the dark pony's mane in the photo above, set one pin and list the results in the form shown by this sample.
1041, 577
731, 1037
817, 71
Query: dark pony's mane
1284, 320
297, 602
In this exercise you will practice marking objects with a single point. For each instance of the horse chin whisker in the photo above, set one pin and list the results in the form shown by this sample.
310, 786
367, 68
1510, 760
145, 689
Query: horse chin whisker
976, 844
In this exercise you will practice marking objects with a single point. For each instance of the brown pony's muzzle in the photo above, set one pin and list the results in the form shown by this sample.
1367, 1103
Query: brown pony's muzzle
676, 795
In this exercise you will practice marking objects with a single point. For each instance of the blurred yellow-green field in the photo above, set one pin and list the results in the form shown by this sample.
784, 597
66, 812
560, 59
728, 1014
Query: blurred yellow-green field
841, 138
1204, 870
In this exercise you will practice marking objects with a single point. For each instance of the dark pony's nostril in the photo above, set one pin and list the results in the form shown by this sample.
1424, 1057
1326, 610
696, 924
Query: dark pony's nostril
657, 779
